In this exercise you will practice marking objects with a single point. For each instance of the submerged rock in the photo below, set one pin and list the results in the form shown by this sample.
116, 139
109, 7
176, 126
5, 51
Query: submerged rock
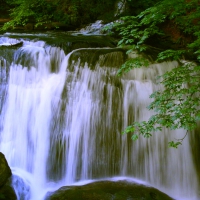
21, 188
108, 190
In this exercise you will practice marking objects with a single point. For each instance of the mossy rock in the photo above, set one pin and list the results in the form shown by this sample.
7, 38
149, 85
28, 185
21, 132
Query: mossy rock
5, 171
108, 190
7, 193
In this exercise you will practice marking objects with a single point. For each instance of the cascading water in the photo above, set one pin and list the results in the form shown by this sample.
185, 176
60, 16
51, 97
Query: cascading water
62, 116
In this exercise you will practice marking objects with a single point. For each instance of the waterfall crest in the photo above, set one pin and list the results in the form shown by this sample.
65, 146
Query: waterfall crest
62, 117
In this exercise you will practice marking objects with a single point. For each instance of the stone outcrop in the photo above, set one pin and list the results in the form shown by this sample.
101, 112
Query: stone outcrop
108, 190
19, 44
5, 171
6, 191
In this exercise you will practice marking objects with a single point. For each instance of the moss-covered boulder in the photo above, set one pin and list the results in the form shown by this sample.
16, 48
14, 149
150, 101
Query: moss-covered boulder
6, 190
7, 193
108, 190
5, 171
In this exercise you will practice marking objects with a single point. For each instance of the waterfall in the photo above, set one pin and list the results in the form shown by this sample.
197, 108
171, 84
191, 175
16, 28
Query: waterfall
61, 118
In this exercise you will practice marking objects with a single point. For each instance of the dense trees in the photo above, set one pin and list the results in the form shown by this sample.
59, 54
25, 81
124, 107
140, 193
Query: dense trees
68, 12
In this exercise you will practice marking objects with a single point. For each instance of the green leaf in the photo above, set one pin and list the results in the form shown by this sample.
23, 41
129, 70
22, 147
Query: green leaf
134, 137
174, 144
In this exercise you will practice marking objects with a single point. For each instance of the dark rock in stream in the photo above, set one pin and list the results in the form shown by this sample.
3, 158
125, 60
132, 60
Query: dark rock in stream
17, 45
6, 190
108, 190
7, 193
5, 171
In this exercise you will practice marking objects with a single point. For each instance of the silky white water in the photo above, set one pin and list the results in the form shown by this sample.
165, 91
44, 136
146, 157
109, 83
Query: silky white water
61, 123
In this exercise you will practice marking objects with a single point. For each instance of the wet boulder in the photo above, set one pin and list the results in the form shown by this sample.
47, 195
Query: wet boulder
108, 190
5, 171
7, 193
15, 45
6, 190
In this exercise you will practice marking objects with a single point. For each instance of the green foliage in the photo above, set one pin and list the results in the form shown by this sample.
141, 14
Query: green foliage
137, 7
2, 196
174, 144
138, 29
24, 11
177, 104
133, 63
170, 55
69, 12
4, 7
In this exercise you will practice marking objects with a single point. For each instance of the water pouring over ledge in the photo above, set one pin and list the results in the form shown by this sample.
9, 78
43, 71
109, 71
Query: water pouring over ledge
62, 116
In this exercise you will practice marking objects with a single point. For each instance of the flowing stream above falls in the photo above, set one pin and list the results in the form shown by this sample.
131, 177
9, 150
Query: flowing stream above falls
62, 112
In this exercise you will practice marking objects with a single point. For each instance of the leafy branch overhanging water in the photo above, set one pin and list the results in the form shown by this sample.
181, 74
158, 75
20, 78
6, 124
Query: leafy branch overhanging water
177, 105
